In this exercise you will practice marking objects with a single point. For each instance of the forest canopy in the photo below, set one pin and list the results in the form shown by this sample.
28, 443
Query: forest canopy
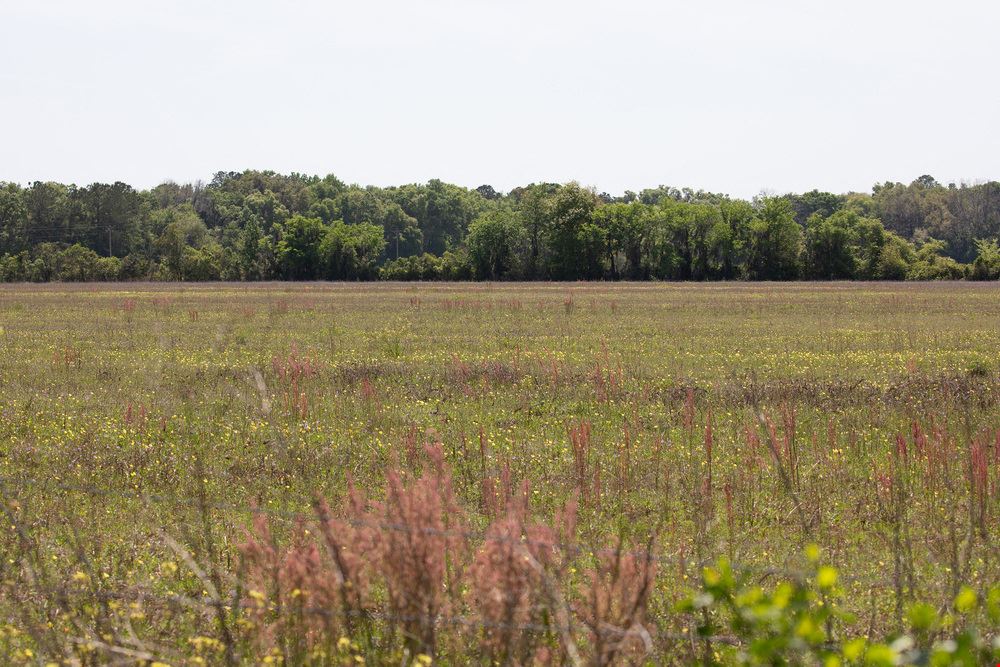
261, 225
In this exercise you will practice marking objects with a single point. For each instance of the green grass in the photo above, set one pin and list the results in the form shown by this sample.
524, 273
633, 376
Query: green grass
122, 406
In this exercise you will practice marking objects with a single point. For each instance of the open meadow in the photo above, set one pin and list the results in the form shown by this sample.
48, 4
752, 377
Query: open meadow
507, 473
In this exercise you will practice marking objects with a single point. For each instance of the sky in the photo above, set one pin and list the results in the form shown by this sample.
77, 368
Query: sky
734, 96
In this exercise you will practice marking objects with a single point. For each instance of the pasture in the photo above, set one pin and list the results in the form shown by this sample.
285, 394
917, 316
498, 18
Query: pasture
163, 446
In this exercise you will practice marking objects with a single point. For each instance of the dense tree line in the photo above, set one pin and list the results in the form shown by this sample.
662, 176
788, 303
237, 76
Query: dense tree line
267, 226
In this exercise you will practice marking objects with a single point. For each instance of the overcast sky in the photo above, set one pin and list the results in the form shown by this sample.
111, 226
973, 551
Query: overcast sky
735, 96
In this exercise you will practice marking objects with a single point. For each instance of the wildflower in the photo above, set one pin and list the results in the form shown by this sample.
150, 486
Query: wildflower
826, 577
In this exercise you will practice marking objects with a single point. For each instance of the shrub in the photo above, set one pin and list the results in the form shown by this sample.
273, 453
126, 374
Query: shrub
418, 267
795, 622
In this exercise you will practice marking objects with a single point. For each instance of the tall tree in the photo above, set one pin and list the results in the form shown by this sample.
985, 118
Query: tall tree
13, 219
571, 234
774, 242
495, 239
535, 202
626, 226
298, 249
827, 252
115, 215
351, 252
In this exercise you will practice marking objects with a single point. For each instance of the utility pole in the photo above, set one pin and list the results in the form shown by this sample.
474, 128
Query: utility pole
398, 234
109, 243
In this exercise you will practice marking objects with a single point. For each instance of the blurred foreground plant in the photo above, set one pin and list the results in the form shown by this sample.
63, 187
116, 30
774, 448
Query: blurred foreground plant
796, 622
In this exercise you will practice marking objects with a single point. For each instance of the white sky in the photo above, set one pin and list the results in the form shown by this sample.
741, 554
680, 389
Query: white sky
726, 95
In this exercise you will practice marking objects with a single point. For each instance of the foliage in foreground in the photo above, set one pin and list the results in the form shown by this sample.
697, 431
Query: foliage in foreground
407, 581
796, 623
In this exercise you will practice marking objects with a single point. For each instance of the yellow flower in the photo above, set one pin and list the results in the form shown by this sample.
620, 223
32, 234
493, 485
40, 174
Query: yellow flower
826, 577
965, 601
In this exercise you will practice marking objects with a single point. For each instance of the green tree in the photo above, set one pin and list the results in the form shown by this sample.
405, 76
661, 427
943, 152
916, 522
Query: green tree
894, 259
987, 263
456, 265
704, 225
662, 258
442, 210
114, 213
626, 226
417, 267
734, 243
828, 243
869, 239
249, 250
181, 228
351, 252
930, 263
402, 231
494, 241
774, 242
813, 203
298, 250
13, 218
720, 247
592, 240
77, 263
571, 234
203, 263
266, 207
535, 203
54, 215
688, 241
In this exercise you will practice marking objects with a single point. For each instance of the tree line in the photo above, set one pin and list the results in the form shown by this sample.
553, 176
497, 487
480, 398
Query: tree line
261, 225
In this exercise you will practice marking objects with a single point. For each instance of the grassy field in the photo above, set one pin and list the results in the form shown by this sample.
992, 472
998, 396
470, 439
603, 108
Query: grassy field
141, 426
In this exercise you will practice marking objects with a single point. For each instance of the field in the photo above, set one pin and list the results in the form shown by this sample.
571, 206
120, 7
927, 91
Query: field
163, 447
